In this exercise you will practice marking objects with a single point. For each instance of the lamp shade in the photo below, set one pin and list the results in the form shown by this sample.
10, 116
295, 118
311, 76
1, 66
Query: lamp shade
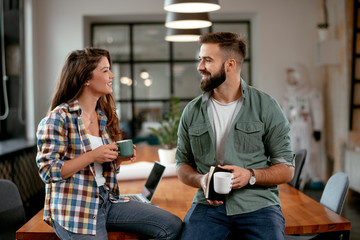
182, 35
188, 6
187, 20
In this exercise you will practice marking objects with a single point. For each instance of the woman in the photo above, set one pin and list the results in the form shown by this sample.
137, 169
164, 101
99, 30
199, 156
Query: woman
77, 158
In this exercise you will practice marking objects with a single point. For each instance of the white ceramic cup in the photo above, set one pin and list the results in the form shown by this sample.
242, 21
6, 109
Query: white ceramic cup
223, 182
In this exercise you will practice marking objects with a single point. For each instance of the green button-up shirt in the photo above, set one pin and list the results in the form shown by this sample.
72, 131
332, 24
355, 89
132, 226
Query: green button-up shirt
258, 137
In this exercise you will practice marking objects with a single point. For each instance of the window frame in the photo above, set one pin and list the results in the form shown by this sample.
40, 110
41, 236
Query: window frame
171, 61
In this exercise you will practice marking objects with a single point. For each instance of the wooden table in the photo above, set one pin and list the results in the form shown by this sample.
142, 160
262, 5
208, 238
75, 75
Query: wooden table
305, 215
37, 229
302, 214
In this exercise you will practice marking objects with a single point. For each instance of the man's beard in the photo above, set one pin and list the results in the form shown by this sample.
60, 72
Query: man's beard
213, 82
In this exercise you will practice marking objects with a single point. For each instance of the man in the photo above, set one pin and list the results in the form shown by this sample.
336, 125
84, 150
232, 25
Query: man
243, 130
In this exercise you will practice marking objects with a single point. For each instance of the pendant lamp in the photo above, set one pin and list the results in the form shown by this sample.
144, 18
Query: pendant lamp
182, 35
188, 6
187, 20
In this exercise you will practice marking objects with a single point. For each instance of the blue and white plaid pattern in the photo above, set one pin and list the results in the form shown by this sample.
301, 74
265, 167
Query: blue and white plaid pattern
71, 202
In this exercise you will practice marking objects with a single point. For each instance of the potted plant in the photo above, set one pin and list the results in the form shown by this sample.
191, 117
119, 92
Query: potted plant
167, 133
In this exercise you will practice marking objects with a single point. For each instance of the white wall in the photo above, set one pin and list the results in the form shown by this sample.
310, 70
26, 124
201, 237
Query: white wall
337, 87
283, 32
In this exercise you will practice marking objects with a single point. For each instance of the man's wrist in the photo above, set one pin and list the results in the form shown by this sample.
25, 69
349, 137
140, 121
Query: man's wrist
252, 179
203, 182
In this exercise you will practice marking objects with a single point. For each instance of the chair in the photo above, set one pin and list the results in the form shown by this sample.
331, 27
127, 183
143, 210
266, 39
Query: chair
12, 213
299, 164
333, 197
335, 192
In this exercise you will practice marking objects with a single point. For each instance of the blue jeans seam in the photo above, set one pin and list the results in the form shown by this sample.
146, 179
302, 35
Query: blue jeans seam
141, 222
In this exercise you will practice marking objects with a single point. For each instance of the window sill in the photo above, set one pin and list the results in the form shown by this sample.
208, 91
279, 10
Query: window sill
15, 145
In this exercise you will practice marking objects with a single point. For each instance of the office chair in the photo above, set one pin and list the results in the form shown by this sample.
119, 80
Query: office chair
333, 197
299, 164
12, 213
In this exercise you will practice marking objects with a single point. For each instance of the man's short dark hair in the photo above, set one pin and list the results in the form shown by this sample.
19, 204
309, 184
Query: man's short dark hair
231, 43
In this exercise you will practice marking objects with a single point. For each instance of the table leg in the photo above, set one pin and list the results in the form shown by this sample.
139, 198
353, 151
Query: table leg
345, 235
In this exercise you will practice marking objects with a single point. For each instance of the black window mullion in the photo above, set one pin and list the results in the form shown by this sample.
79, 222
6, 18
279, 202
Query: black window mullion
171, 65
132, 76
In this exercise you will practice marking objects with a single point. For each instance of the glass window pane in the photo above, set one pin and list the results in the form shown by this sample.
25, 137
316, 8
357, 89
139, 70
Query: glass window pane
240, 28
356, 94
186, 50
357, 68
147, 114
245, 72
114, 38
356, 122
122, 81
149, 43
124, 111
157, 85
357, 43
187, 80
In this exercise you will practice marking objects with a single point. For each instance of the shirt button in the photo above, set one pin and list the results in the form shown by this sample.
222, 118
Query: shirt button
248, 129
197, 131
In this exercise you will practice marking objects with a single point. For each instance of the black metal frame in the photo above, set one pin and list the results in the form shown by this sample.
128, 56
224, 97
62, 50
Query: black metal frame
355, 56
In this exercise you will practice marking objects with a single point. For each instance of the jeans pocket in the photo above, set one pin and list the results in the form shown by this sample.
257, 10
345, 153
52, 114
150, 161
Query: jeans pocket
197, 212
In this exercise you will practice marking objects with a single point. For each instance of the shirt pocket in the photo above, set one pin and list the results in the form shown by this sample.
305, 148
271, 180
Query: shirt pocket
199, 140
248, 136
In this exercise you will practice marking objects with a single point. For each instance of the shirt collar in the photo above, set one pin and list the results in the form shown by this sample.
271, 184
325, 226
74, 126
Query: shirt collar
74, 106
244, 89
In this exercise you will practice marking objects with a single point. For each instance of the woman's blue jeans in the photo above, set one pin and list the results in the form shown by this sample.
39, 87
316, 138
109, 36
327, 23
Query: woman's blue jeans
131, 216
211, 222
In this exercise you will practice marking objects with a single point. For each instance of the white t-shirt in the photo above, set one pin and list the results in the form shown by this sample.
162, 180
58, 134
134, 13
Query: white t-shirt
222, 117
99, 177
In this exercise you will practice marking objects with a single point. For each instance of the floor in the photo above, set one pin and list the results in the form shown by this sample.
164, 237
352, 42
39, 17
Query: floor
351, 210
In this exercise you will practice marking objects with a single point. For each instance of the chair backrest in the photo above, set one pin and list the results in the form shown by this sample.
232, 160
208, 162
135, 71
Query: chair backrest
299, 164
335, 191
12, 213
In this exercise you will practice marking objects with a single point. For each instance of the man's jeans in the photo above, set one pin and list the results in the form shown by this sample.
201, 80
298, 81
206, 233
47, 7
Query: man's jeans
131, 216
210, 222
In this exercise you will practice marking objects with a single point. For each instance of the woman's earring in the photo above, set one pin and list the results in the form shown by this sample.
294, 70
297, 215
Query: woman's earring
87, 84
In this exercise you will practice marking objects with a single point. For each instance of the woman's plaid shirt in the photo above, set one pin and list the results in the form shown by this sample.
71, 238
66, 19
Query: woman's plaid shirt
71, 202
